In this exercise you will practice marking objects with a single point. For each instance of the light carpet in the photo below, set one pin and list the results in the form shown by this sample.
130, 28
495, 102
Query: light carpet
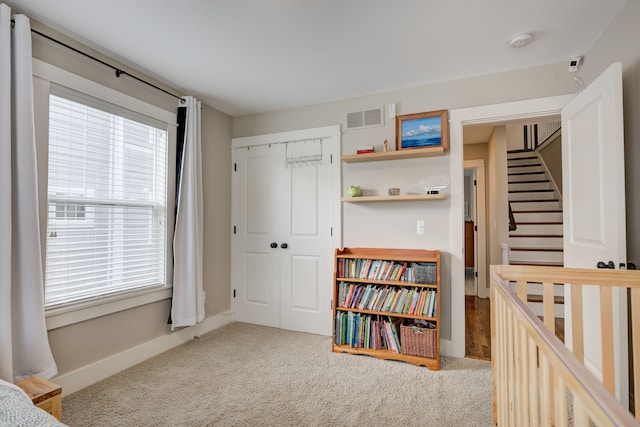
248, 375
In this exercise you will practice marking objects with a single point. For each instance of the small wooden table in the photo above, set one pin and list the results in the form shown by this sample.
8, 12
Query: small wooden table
44, 394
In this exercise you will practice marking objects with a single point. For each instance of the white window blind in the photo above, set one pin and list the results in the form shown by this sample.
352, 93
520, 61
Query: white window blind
106, 221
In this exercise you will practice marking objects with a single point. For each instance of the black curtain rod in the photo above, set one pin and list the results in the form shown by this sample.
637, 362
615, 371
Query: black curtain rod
118, 71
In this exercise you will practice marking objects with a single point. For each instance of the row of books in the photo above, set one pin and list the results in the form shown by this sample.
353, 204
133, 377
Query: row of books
367, 331
412, 301
360, 268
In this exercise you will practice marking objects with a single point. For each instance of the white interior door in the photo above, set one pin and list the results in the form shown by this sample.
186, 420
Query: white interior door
594, 207
282, 243
306, 262
255, 263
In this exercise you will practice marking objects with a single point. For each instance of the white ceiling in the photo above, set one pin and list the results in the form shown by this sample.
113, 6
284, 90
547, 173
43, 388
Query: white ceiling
252, 56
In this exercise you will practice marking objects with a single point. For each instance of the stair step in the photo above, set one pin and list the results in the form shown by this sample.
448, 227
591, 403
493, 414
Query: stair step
529, 186
538, 249
531, 181
541, 264
523, 228
525, 165
522, 158
531, 196
519, 152
524, 169
536, 257
537, 215
538, 201
543, 204
517, 241
542, 190
538, 211
538, 236
525, 173
540, 223
529, 161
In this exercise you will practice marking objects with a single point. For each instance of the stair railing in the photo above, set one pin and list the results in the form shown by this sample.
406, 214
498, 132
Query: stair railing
505, 253
512, 220
536, 135
539, 381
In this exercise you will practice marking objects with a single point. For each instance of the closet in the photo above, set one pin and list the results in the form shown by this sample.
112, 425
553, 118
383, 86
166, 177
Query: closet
285, 189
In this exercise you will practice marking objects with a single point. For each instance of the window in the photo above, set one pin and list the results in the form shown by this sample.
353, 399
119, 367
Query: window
106, 222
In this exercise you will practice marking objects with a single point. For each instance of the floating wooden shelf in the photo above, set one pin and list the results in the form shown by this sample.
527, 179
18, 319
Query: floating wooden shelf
408, 197
394, 155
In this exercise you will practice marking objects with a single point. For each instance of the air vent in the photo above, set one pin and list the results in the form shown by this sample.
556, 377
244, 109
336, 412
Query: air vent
364, 119
355, 120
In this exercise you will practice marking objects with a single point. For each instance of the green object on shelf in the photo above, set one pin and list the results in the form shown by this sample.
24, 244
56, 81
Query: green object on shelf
355, 191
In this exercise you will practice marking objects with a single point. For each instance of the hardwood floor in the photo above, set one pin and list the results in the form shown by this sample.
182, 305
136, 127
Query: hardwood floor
477, 328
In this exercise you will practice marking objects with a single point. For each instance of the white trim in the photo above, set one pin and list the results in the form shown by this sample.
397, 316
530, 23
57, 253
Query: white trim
497, 113
67, 315
289, 136
97, 371
509, 111
73, 313
73, 81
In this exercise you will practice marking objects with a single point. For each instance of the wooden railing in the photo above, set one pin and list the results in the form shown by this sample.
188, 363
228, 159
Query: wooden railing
536, 379
535, 135
513, 226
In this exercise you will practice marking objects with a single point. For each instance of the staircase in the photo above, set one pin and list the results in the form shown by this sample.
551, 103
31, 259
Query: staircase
537, 238
537, 211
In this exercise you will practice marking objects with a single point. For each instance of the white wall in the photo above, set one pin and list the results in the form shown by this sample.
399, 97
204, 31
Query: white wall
515, 137
499, 199
619, 43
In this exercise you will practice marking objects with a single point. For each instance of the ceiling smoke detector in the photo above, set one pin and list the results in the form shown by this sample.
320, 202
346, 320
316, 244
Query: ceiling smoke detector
520, 39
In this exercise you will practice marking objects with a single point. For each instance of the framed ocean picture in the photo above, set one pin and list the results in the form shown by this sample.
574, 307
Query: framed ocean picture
422, 130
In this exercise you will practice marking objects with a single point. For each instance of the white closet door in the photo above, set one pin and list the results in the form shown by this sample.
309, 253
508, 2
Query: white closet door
289, 207
307, 268
255, 264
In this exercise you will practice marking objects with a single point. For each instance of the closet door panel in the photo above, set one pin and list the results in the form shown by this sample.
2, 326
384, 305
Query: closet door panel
255, 263
307, 261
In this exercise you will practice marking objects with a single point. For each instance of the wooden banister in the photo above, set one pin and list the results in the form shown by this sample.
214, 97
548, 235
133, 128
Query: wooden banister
533, 369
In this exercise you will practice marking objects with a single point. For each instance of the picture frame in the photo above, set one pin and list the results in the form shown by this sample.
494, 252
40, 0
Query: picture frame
423, 130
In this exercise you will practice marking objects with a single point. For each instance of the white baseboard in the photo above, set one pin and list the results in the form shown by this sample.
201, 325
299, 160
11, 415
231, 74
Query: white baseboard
97, 371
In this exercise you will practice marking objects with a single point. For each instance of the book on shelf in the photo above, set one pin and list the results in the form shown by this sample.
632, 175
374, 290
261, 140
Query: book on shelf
364, 149
367, 331
415, 301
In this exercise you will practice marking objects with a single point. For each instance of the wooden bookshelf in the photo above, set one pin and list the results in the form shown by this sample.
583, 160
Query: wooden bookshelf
375, 292
415, 153
404, 198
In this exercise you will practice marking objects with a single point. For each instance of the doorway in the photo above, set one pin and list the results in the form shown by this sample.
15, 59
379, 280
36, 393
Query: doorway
477, 315
470, 240
495, 115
